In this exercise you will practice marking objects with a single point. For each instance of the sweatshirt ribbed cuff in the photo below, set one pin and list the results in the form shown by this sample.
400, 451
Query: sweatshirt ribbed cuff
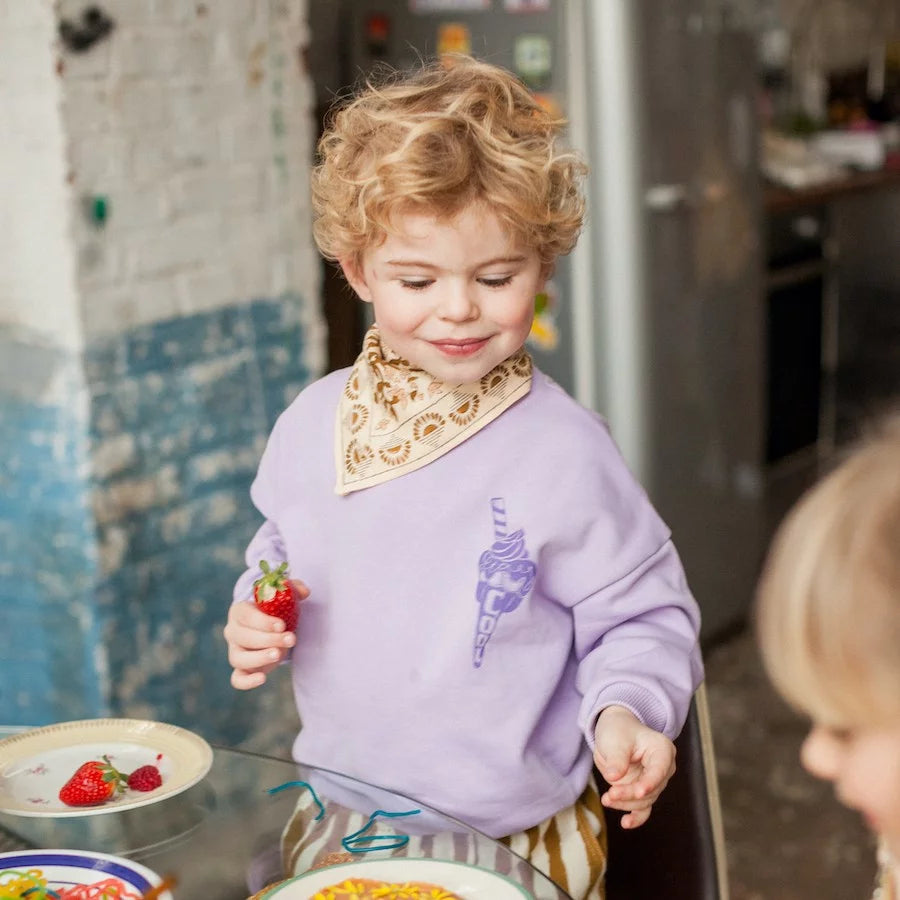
639, 700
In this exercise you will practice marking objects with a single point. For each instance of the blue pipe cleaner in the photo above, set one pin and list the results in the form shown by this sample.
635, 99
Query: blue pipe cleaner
377, 841
308, 786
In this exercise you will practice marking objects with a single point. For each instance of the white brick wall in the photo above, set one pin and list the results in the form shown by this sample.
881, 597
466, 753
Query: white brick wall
37, 259
192, 92
195, 122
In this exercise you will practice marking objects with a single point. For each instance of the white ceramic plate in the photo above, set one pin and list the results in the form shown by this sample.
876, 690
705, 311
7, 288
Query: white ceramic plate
68, 868
34, 765
467, 881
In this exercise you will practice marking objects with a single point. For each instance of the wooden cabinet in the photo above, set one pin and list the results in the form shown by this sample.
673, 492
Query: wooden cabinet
833, 311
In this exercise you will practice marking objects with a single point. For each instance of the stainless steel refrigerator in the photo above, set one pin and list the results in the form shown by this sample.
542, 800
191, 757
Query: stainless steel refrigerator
656, 320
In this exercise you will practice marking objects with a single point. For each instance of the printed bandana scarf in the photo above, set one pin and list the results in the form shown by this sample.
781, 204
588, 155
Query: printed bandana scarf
393, 418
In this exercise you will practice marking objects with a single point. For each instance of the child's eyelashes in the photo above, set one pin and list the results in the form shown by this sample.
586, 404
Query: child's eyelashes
420, 284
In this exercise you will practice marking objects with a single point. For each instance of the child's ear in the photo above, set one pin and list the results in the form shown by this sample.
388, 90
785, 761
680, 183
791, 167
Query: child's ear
352, 270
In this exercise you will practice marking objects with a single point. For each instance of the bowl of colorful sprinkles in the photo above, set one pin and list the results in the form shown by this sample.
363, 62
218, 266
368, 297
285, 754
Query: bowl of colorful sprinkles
75, 875
400, 878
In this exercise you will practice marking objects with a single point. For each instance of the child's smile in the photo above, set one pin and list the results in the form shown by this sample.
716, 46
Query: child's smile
454, 298
461, 348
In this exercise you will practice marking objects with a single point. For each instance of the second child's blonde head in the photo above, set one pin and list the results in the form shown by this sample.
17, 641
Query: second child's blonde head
454, 133
828, 614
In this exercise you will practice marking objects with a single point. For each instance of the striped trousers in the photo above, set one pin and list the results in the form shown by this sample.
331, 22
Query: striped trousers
568, 847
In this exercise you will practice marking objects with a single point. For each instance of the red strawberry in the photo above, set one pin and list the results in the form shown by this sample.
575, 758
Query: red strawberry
93, 783
145, 778
274, 594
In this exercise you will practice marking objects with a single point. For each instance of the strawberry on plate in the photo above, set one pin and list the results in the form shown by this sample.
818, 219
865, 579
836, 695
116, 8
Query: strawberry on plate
93, 783
274, 594
146, 778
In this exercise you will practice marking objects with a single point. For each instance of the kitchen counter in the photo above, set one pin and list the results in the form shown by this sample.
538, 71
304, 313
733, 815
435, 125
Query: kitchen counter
778, 199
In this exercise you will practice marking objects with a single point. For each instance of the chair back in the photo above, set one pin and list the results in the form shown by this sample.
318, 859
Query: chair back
679, 853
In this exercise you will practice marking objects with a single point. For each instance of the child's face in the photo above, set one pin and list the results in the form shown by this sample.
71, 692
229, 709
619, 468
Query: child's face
864, 765
454, 298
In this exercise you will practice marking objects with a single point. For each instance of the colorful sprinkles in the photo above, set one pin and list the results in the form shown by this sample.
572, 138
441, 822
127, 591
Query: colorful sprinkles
367, 889
17, 884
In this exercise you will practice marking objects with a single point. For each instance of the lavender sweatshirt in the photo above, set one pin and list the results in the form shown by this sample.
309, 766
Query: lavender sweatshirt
468, 621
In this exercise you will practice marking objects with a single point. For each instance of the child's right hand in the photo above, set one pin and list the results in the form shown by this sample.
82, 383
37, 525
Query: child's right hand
636, 761
257, 643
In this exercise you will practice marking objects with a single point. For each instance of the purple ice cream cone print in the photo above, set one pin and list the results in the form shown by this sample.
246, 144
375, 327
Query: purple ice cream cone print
505, 576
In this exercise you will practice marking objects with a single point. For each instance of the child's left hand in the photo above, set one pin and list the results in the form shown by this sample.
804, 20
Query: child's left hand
635, 760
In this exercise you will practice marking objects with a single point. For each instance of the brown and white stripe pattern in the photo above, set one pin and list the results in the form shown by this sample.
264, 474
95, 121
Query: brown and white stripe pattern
569, 847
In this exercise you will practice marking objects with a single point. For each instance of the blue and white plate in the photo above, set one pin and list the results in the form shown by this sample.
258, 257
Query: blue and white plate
69, 868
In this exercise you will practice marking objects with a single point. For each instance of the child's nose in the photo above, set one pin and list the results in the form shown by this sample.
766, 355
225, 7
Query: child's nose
458, 304
820, 754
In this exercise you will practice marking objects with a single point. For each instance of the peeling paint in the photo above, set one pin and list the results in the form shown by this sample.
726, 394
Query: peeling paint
113, 455
128, 497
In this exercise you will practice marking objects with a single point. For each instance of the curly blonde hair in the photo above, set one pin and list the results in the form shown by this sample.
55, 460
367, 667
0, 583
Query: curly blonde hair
454, 132
828, 604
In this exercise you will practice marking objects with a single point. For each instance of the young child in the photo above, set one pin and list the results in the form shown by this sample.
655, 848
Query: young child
491, 603
829, 630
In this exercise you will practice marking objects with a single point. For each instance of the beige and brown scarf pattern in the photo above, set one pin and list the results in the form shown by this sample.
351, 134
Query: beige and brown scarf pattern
393, 418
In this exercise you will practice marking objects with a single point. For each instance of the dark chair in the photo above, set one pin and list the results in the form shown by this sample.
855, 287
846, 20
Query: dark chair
679, 853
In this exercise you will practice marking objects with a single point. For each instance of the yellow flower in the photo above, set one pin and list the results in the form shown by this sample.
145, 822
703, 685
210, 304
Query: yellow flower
408, 891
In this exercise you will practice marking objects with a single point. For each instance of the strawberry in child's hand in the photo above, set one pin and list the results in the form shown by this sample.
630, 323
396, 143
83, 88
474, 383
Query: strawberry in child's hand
93, 783
274, 594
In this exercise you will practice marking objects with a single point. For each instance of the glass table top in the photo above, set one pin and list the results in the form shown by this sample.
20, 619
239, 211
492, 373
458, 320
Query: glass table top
221, 838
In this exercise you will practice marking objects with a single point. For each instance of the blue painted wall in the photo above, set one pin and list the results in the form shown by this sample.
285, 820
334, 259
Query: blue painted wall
150, 499
47, 547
